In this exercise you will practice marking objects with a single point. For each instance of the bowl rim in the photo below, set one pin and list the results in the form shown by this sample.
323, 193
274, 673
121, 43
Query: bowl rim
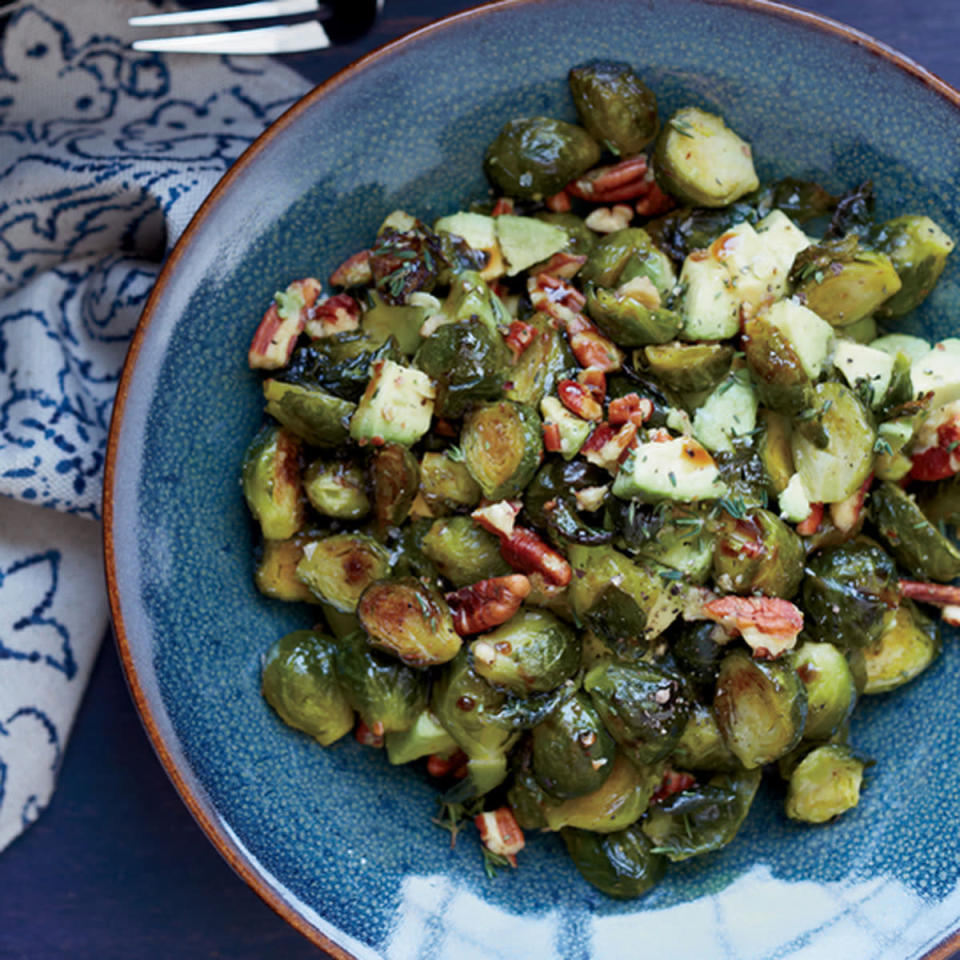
225, 844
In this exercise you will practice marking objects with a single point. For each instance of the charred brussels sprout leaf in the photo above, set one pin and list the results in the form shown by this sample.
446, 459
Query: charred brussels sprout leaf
572, 752
831, 690
502, 447
905, 648
538, 156
621, 864
800, 200
300, 682
395, 478
532, 651
339, 568
410, 620
337, 488
915, 542
760, 706
463, 552
271, 483
824, 784
404, 261
853, 213
446, 485
466, 361
387, 694
643, 706
317, 417
758, 553
618, 109
850, 593
341, 365
702, 818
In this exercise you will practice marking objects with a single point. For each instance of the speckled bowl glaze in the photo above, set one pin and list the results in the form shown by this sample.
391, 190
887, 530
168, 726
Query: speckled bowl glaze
338, 842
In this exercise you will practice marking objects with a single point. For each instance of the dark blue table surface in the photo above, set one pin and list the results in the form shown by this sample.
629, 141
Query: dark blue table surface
116, 867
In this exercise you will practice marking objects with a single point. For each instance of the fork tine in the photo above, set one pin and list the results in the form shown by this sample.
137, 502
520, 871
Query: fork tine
265, 40
244, 11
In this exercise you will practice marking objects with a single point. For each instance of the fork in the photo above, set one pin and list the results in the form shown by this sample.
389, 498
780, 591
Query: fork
332, 23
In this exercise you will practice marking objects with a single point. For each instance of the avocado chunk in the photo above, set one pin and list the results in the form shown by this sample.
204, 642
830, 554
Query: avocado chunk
396, 407
678, 469
525, 241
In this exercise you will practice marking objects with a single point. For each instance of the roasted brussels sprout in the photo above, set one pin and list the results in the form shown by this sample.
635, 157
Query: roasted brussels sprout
760, 706
317, 417
337, 569
425, 737
918, 250
572, 752
336, 488
831, 690
850, 593
502, 447
758, 553
545, 362
824, 784
387, 694
340, 364
617, 108
618, 802
628, 319
914, 541
626, 255
908, 644
532, 651
774, 451
300, 682
467, 707
271, 483
551, 500
643, 706
783, 385
701, 745
697, 647
621, 864
843, 282
689, 367
276, 571
701, 818
535, 157
701, 161
395, 479
410, 620
446, 485
463, 552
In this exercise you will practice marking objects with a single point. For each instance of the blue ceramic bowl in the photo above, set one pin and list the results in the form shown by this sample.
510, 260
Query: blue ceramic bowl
339, 843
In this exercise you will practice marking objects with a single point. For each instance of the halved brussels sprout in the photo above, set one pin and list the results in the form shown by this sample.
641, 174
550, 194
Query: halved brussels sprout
423, 739
831, 690
620, 864
276, 572
317, 417
387, 694
572, 752
527, 799
915, 542
535, 157
628, 320
689, 367
940, 501
905, 648
620, 800
337, 569
775, 453
760, 706
532, 651
841, 281
410, 620
850, 593
337, 488
626, 255
643, 706
701, 745
551, 501
545, 362
782, 383
395, 476
467, 707
700, 160
701, 818
463, 552
837, 469
300, 682
698, 648
918, 250
824, 784
618, 109
758, 553
271, 483
446, 485
502, 447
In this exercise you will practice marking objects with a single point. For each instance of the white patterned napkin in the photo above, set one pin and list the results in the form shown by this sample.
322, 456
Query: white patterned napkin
105, 154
